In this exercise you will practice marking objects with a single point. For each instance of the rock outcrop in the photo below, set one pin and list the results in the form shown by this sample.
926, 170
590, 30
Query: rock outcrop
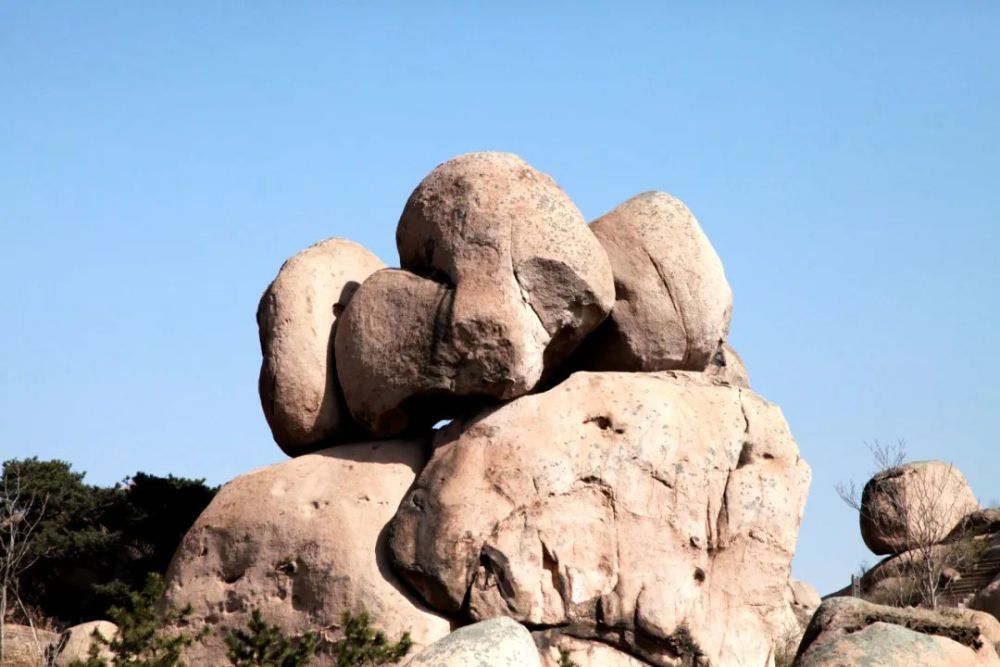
501, 279
727, 366
499, 642
303, 541
297, 318
848, 631
913, 505
620, 507
672, 301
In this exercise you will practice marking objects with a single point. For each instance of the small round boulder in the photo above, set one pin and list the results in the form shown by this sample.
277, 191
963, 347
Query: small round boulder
914, 505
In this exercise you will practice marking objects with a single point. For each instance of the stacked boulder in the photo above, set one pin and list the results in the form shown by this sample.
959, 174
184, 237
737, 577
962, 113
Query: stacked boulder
606, 476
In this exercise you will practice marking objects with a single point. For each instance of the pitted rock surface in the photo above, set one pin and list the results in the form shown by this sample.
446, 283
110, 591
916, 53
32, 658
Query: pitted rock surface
303, 541
623, 506
296, 320
501, 281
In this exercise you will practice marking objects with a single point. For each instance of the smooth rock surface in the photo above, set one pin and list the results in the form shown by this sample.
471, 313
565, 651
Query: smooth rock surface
849, 632
673, 303
914, 504
302, 541
501, 281
625, 506
296, 320
498, 642
74, 643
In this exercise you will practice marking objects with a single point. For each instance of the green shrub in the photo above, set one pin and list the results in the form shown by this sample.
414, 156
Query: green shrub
143, 638
565, 660
263, 645
362, 646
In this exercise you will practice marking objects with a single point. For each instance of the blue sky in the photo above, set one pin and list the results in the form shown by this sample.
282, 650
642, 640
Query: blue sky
158, 162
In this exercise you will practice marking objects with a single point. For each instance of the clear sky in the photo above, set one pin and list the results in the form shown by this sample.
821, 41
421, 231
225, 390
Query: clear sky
158, 162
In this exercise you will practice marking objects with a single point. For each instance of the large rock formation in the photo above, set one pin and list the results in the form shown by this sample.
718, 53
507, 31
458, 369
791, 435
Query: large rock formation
297, 318
622, 507
914, 505
846, 632
501, 280
303, 542
672, 301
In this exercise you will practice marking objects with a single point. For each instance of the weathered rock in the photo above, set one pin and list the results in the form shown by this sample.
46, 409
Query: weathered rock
582, 652
846, 632
498, 642
988, 598
624, 506
303, 541
912, 505
502, 280
803, 599
297, 318
672, 301
74, 643
25, 646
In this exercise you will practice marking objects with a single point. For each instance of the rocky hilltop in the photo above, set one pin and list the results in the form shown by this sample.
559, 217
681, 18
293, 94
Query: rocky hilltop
530, 442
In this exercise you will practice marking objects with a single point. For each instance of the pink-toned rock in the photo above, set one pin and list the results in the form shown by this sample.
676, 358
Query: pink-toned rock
846, 632
913, 505
673, 303
303, 541
552, 645
622, 506
502, 279
297, 318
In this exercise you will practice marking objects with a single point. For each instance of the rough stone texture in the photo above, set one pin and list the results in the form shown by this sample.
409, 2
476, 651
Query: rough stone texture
583, 652
502, 279
296, 319
672, 301
914, 504
498, 642
848, 632
625, 506
24, 647
803, 599
74, 643
988, 599
302, 541
726, 365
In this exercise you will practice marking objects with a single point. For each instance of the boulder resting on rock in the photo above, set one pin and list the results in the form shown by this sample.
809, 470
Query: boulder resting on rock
498, 642
914, 505
297, 319
672, 300
501, 279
